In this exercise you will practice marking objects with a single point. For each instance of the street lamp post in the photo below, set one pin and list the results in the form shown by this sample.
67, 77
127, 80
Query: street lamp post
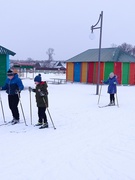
100, 20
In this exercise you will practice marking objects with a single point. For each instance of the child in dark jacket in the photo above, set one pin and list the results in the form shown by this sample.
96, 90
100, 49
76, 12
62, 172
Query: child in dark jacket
112, 89
41, 100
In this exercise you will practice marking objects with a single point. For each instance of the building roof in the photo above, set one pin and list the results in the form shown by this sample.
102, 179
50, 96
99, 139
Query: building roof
107, 55
6, 51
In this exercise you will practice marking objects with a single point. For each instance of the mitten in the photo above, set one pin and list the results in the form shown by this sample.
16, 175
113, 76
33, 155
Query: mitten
30, 89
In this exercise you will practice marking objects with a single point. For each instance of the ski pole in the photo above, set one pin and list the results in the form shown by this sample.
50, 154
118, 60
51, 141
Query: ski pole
22, 109
2, 108
117, 100
30, 108
49, 113
99, 93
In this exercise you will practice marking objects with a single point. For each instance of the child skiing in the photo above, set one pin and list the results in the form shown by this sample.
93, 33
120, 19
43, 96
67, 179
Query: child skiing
13, 87
112, 89
41, 100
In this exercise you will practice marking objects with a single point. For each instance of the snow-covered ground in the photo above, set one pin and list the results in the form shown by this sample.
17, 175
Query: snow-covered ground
89, 143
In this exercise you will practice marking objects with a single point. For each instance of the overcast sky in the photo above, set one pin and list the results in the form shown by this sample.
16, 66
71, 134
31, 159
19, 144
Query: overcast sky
31, 27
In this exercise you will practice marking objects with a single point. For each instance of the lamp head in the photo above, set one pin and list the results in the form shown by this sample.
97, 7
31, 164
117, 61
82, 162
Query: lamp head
92, 35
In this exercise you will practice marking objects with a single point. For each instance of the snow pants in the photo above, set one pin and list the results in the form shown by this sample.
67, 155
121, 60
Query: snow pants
13, 101
42, 115
112, 98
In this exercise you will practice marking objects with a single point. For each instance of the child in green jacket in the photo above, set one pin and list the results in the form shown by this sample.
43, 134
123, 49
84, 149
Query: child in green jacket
41, 100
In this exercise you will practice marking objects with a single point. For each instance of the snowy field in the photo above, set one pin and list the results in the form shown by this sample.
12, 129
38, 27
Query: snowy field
89, 143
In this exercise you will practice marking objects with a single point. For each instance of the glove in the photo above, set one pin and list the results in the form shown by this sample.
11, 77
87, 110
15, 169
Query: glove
17, 91
114, 83
102, 81
30, 89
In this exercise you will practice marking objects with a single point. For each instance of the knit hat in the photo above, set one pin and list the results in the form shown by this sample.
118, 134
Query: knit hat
10, 73
38, 78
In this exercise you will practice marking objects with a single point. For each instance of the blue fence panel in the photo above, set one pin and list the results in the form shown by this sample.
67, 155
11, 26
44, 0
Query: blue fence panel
77, 72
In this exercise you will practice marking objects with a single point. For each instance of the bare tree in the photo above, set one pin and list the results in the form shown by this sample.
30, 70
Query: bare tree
133, 51
128, 48
29, 59
50, 53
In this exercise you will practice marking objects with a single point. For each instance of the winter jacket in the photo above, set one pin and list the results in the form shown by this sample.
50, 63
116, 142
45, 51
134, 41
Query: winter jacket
12, 86
112, 84
41, 94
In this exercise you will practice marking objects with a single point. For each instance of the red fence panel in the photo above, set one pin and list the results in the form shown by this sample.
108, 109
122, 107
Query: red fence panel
118, 70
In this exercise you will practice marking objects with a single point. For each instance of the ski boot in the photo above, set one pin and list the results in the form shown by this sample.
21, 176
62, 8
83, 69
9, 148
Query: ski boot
45, 125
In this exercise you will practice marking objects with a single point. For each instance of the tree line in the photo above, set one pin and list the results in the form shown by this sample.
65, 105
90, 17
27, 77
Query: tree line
127, 48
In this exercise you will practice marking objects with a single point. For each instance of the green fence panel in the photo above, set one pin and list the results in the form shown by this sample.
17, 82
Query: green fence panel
125, 73
109, 67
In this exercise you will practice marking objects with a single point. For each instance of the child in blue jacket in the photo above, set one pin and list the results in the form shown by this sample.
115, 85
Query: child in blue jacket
13, 87
112, 89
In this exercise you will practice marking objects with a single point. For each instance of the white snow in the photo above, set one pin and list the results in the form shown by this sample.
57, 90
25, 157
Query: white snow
89, 143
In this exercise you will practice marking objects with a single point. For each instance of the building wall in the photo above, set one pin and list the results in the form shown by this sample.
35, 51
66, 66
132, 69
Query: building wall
87, 72
4, 66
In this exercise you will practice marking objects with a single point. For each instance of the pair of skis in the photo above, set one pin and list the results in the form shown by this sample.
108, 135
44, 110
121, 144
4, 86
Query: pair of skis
108, 104
6, 123
9, 123
105, 106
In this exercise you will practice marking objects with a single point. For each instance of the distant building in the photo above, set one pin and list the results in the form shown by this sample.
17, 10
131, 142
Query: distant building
4, 63
23, 65
84, 66
51, 66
